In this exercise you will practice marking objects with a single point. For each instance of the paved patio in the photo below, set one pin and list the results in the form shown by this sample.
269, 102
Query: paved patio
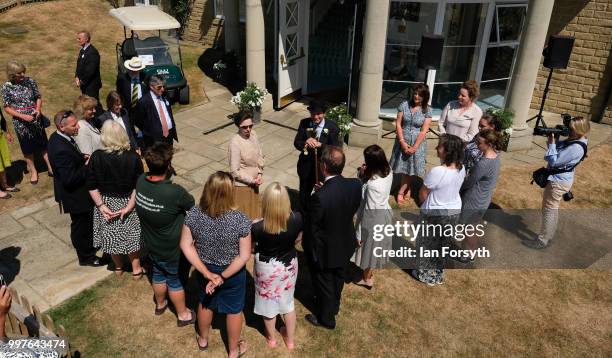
35, 246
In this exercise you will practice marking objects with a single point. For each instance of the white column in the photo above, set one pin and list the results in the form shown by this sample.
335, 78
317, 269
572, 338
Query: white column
366, 127
525, 71
231, 25
255, 43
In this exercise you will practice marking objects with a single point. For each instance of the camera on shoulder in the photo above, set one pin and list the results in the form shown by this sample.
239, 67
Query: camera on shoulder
559, 130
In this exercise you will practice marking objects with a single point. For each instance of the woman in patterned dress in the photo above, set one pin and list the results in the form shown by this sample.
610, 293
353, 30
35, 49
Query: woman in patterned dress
21, 99
412, 124
216, 240
276, 264
112, 178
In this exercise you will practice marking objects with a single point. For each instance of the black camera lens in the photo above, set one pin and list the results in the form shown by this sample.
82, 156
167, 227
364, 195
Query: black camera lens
568, 196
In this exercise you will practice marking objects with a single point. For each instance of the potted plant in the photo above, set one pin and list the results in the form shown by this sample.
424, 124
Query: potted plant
251, 99
506, 117
343, 119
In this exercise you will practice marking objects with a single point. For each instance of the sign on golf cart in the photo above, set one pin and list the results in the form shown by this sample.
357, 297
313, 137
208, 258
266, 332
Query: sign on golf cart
153, 39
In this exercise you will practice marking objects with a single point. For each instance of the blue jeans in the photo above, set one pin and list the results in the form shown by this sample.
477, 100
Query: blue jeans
166, 272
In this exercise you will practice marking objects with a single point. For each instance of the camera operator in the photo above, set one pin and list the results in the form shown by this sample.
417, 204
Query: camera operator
562, 157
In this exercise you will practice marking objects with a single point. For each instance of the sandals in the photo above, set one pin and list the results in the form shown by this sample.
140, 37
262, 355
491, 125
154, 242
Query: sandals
200, 347
283, 332
183, 323
118, 271
160, 311
138, 276
7, 196
241, 353
271, 342
11, 190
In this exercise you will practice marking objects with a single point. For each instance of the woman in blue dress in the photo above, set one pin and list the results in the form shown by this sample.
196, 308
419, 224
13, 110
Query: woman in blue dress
412, 123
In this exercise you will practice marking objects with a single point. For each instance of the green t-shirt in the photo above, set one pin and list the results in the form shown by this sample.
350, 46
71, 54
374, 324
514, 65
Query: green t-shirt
161, 208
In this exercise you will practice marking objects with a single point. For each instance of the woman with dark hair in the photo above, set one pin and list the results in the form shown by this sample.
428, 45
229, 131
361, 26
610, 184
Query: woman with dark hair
411, 126
461, 117
472, 154
374, 210
216, 240
116, 112
441, 205
246, 162
478, 187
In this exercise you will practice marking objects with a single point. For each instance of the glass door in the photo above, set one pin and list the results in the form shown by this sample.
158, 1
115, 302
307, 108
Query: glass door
408, 21
503, 42
463, 27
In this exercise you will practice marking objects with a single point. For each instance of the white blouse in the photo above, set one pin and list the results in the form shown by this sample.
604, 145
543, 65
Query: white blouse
463, 125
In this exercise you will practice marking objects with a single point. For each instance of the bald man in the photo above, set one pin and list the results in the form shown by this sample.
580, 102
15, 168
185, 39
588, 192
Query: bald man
330, 239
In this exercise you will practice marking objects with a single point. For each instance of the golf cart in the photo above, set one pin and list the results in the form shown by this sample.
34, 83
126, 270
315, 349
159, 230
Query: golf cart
154, 40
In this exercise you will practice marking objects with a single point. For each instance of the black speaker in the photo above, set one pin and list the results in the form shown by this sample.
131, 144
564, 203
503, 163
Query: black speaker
430, 52
558, 51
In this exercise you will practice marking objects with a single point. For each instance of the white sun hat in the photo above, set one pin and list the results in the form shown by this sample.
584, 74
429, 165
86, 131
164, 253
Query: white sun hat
134, 64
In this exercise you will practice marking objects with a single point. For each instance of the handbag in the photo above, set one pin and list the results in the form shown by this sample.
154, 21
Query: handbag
541, 175
46, 123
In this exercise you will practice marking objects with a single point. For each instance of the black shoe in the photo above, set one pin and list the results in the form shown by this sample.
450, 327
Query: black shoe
95, 262
312, 319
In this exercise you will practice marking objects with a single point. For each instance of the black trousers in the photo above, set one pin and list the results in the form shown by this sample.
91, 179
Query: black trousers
81, 235
149, 141
328, 285
306, 185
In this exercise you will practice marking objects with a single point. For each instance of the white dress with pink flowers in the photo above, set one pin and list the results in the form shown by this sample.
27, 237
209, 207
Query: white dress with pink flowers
276, 268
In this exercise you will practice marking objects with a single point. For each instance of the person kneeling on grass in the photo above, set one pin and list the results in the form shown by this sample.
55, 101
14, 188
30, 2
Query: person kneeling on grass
161, 206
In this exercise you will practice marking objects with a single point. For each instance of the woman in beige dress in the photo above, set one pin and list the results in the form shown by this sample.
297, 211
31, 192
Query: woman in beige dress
246, 165
88, 138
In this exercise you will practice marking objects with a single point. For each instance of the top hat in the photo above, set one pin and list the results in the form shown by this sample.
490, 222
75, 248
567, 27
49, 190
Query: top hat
316, 106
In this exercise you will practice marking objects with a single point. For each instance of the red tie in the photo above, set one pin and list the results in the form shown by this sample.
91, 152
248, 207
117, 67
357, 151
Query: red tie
162, 117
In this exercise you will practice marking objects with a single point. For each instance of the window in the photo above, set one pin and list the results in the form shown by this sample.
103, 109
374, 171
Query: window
218, 9
146, 2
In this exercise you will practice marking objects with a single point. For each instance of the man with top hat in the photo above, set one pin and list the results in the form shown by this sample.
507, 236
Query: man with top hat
312, 136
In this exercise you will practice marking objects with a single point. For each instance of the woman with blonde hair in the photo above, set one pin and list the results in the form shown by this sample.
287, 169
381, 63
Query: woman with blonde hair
22, 100
88, 137
113, 172
562, 157
276, 264
216, 239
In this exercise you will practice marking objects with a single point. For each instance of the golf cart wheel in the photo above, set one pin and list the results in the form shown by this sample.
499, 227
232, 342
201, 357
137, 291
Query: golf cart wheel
184, 95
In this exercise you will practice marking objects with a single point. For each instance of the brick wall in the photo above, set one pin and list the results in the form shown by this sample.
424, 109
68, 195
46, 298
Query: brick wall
202, 26
583, 88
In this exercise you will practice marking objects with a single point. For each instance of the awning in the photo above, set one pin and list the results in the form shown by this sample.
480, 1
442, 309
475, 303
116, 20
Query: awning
142, 18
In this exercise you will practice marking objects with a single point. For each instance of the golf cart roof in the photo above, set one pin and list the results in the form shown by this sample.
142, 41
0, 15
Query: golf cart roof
143, 18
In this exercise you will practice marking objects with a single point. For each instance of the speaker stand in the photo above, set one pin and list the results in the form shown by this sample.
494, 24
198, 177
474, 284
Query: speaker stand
540, 118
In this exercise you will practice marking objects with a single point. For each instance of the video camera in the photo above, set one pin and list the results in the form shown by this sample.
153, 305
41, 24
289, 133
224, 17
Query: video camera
558, 130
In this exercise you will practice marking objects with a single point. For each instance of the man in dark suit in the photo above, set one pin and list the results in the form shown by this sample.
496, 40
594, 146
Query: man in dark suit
87, 75
154, 115
313, 134
131, 85
69, 184
330, 240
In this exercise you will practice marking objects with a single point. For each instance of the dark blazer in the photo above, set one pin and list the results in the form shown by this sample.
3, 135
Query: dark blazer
129, 127
148, 121
305, 165
331, 236
88, 69
69, 175
124, 87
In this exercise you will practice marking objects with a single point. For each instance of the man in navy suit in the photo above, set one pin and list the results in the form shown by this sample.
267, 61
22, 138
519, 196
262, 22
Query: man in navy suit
69, 184
313, 134
329, 235
153, 115
87, 74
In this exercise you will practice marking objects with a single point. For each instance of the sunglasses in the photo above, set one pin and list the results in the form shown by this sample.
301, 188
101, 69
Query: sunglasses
246, 127
65, 115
